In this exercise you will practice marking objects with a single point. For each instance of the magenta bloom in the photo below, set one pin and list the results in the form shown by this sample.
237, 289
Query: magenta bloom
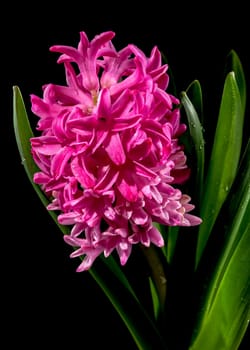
108, 153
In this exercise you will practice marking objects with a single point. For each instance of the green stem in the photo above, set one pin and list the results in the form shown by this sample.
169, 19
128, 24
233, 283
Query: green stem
158, 273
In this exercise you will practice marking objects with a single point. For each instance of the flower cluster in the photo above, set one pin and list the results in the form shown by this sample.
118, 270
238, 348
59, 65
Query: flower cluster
109, 153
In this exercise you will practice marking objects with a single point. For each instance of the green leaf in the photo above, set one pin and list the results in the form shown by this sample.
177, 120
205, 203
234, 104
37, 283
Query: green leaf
224, 159
171, 241
125, 301
196, 133
23, 133
155, 299
233, 63
194, 92
225, 309
241, 183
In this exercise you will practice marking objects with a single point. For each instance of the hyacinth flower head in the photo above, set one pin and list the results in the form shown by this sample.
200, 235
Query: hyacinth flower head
109, 149
119, 161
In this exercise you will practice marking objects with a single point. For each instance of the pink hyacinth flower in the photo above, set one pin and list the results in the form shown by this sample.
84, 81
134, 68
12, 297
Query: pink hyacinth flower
109, 153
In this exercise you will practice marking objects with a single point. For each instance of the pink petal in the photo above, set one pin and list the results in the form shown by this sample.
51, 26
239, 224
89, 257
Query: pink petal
127, 188
60, 161
115, 150
47, 145
81, 172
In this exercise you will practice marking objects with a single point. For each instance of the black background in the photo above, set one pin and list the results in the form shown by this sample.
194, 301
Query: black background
46, 303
